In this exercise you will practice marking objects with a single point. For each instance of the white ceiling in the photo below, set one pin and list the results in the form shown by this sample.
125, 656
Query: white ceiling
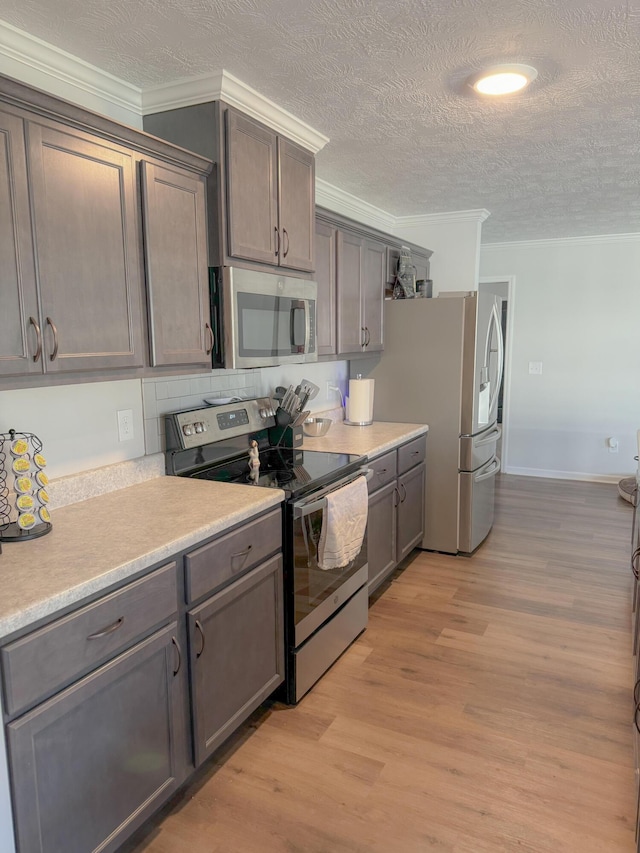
385, 80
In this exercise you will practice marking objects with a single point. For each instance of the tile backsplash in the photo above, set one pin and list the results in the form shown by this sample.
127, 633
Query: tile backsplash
160, 396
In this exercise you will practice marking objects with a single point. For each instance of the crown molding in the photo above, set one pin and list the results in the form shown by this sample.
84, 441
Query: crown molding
550, 242
448, 218
221, 85
340, 201
21, 49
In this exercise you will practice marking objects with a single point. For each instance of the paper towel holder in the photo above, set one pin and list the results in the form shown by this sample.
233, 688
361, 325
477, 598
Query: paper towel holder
356, 423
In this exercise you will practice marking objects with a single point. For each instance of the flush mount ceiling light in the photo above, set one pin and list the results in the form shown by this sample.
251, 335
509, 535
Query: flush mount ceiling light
503, 79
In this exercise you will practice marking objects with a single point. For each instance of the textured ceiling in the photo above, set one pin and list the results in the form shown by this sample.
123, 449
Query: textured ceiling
384, 79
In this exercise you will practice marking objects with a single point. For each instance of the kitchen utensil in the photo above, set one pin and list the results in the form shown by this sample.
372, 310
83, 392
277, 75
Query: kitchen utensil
302, 416
308, 391
315, 427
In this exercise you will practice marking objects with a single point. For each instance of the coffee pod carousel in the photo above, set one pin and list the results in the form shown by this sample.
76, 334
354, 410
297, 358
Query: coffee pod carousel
24, 513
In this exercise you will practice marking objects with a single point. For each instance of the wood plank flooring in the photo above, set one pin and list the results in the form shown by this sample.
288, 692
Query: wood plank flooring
487, 708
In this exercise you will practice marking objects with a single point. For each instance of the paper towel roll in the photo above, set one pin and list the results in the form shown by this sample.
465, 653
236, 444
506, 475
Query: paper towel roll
360, 401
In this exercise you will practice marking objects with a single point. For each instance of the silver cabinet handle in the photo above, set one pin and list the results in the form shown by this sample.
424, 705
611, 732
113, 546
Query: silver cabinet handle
404, 493
368, 338
179, 664
54, 353
635, 718
108, 630
238, 555
364, 336
285, 236
397, 503
35, 325
277, 240
200, 629
209, 332
381, 472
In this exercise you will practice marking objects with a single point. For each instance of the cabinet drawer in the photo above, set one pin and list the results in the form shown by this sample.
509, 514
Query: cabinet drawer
411, 454
40, 663
211, 566
385, 469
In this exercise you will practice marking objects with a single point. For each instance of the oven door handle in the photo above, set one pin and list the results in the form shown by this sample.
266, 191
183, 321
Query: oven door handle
303, 508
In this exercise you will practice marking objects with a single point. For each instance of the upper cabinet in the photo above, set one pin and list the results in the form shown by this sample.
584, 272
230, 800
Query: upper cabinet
263, 193
73, 291
355, 266
175, 238
20, 325
84, 214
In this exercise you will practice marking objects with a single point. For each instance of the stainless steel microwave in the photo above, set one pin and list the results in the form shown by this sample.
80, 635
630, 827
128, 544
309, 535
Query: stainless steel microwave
261, 319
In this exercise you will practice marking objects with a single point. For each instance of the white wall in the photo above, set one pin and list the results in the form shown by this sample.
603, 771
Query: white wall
456, 251
576, 309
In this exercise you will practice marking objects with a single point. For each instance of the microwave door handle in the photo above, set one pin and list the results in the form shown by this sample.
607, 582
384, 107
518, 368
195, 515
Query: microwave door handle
296, 305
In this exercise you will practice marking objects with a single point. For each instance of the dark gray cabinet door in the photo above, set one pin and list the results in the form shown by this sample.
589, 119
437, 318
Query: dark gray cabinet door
177, 267
236, 649
86, 242
410, 510
381, 534
19, 321
326, 279
91, 764
297, 180
252, 190
373, 281
351, 334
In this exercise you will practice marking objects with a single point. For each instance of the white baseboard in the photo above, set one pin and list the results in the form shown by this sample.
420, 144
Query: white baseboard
564, 475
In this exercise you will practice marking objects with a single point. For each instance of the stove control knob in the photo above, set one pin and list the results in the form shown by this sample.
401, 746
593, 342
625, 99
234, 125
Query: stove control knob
198, 426
264, 413
187, 429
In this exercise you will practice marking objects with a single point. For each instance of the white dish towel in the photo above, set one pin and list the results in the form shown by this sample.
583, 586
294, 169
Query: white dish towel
344, 522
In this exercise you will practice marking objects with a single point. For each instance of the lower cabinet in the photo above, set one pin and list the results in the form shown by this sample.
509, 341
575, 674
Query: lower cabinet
236, 649
98, 703
92, 763
396, 508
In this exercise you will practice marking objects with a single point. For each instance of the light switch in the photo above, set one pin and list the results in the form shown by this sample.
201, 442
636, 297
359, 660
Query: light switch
535, 367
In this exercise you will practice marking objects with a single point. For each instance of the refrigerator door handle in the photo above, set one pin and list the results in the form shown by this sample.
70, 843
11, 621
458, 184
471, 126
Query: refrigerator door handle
490, 437
494, 323
495, 467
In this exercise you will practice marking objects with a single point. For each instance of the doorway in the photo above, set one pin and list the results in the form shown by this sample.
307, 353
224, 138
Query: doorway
504, 288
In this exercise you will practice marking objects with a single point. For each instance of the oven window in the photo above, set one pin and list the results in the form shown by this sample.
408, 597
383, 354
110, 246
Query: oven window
266, 325
312, 585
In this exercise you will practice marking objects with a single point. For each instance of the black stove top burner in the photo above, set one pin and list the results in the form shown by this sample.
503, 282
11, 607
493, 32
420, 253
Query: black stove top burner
293, 470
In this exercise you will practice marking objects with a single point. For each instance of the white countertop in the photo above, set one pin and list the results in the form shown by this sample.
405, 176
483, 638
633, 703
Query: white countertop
104, 540
373, 440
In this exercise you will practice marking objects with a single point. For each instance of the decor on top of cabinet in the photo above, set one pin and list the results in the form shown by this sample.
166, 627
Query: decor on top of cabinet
405, 284
21, 456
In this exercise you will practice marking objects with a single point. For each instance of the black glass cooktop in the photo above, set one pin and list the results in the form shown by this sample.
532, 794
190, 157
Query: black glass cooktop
295, 471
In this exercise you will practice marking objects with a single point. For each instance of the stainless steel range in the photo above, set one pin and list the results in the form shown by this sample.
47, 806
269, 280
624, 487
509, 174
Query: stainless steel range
325, 610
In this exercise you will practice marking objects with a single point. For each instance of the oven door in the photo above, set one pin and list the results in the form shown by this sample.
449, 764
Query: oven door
318, 593
268, 319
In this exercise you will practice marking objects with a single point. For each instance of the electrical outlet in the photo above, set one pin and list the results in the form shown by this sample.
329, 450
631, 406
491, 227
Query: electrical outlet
125, 425
330, 391
612, 444
535, 367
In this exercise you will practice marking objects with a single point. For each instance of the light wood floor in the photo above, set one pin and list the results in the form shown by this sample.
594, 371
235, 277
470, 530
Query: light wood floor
487, 708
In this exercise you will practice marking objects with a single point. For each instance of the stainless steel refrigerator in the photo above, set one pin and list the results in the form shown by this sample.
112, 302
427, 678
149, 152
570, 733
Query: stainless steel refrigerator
442, 365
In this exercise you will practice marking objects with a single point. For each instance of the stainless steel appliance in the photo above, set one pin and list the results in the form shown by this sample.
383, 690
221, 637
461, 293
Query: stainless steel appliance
325, 610
442, 365
260, 319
